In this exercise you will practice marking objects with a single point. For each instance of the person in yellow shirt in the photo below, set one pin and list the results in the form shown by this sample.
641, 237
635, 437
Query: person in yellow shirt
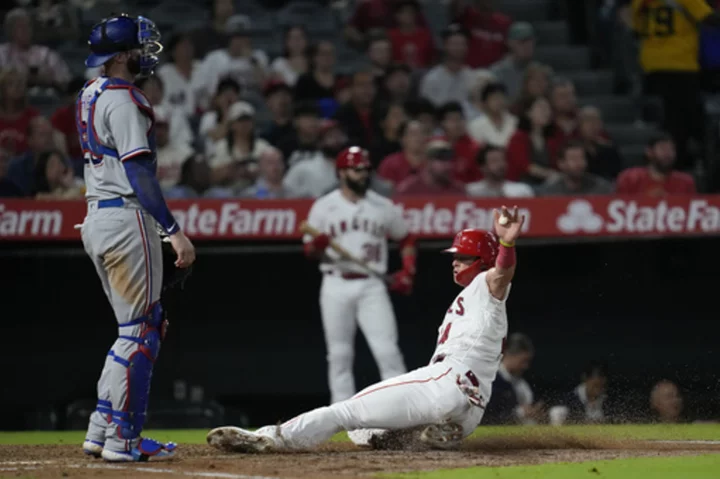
669, 34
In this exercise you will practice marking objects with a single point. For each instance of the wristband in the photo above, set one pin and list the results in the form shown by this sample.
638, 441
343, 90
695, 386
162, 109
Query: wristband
506, 244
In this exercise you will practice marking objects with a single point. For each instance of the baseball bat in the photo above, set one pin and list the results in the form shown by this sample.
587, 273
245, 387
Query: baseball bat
344, 254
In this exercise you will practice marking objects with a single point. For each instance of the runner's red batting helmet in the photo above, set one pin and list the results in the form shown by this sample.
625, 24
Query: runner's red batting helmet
480, 244
353, 157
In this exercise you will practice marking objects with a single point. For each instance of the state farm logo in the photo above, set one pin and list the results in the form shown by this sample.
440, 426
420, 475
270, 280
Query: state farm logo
580, 217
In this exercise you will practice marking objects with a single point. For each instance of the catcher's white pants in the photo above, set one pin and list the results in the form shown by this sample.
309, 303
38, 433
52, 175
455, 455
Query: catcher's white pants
429, 395
346, 304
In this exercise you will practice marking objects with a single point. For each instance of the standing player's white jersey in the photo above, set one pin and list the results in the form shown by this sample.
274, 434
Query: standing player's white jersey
474, 330
362, 228
115, 124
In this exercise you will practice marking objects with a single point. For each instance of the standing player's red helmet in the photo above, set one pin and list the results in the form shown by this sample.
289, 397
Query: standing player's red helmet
480, 244
353, 157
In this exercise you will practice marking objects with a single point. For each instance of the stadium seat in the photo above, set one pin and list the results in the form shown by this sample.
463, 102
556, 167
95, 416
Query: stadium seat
615, 109
591, 83
564, 57
312, 15
552, 33
524, 10
624, 134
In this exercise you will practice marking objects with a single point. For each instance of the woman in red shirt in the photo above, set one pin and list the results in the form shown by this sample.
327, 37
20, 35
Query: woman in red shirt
15, 113
531, 152
412, 44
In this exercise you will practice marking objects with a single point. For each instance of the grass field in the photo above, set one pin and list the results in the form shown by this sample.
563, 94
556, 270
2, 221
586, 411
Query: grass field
519, 450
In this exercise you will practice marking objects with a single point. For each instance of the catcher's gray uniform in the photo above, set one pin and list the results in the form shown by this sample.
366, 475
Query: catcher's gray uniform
115, 123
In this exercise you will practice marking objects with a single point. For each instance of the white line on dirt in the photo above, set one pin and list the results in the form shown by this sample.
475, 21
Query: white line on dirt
34, 465
219, 475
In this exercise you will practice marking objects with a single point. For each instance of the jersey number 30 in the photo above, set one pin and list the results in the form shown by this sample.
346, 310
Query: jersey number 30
371, 252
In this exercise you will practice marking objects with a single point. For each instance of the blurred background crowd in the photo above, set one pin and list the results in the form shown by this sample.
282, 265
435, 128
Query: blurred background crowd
466, 97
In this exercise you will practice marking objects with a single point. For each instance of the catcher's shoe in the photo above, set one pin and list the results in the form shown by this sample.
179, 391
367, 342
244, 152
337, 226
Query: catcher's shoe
234, 439
143, 451
93, 448
442, 436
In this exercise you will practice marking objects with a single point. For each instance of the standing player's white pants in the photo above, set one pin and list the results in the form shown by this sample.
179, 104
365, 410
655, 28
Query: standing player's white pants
345, 304
429, 395
127, 254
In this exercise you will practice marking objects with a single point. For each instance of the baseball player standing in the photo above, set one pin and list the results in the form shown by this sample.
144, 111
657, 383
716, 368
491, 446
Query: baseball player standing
447, 397
120, 232
360, 221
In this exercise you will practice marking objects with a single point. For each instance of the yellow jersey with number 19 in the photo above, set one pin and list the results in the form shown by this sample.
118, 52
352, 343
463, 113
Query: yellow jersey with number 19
669, 33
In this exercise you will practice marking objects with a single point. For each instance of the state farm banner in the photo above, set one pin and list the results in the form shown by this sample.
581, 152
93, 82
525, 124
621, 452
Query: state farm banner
439, 217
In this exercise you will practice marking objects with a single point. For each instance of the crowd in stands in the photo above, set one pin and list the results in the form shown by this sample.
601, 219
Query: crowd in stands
463, 111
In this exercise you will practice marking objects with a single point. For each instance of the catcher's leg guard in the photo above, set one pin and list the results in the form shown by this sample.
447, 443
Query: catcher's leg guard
134, 355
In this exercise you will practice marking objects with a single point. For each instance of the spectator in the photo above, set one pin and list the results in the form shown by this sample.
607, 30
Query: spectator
493, 164
214, 122
303, 143
294, 60
54, 178
42, 66
602, 156
425, 112
532, 150
8, 189
313, 177
536, 83
666, 403
278, 98
369, 15
574, 178
269, 183
454, 128
587, 403
195, 182
15, 113
412, 159
488, 30
452, 79
40, 139
171, 154
658, 177
319, 82
234, 162
63, 120
154, 89
474, 106
563, 102
358, 118
510, 70
412, 44
512, 400
237, 60
497, 124
213, 36
54, 22
669, 57
396, 86
387, 141
180, 74
437, 177
379, 53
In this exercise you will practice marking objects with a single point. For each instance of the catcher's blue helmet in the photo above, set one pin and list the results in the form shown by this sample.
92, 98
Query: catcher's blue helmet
122, 33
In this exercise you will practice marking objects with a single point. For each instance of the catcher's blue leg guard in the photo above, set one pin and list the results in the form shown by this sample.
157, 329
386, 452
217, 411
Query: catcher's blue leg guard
134, 355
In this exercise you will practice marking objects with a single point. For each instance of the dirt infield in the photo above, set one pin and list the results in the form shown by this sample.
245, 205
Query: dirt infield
333, 460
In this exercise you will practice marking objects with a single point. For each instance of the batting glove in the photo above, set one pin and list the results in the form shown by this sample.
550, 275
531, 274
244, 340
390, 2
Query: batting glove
402, 282
472, 392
